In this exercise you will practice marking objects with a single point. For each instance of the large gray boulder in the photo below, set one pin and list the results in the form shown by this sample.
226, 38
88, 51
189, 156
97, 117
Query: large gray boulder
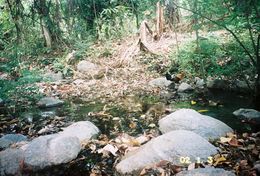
10, 139
184, 87
83, 130
188, 119
51, 150
211, 171
249, 115
87, 67
10, 161
170, 147
48, 102
160, 82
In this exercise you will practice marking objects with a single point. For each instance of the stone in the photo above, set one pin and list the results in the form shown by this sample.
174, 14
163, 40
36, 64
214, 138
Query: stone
211, 171
48, 114
48, 102
10, 139
10, 161
83, 130
50, 150
188, 119
184, 87
160, 82
199, 82
217, 84
53, 77
249, 115
87, 67
170, 147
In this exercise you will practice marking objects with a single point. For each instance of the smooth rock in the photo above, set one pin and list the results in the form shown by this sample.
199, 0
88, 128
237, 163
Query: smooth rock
160, 82
51, 150
217, 84
87, 67
170, 146
83, 130
249, 115
188, 119
10, 160
184, 87
211, 171
10, 139
48, 102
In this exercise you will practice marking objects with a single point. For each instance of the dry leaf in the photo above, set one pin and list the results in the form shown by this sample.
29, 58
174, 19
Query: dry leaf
191, 166
219, 160
234, 142
225, 140
110, 148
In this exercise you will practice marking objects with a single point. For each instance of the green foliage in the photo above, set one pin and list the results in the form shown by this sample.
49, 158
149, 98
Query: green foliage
215, 57
114, 22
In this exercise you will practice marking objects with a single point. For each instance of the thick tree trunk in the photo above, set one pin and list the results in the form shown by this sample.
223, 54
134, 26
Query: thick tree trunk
46, 34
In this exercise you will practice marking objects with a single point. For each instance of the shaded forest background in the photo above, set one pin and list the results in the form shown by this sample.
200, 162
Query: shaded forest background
31, 31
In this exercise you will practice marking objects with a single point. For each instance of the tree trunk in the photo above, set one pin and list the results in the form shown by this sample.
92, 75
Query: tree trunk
159, 20
46, 34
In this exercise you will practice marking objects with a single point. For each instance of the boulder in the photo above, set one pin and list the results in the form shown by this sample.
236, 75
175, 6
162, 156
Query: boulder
10, 161
83, 130
87, 67
48, 102
10, 139
188, 119
217, 84
160, 82
184, 87
211, 171
170, 147
249, 115
50, 150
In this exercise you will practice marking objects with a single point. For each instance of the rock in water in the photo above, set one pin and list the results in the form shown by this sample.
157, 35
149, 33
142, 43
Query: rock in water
51, 150
218, 84
170, 147
48, 102
184, 87
160, 82
10, 160
10, 139
249, 115
83, 130
211, 171
188, 119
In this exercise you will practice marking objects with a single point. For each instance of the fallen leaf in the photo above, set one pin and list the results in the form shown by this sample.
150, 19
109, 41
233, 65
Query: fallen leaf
193, 102
191, 166
110, 148
225, 140
203, 110
219, 160
234, 142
